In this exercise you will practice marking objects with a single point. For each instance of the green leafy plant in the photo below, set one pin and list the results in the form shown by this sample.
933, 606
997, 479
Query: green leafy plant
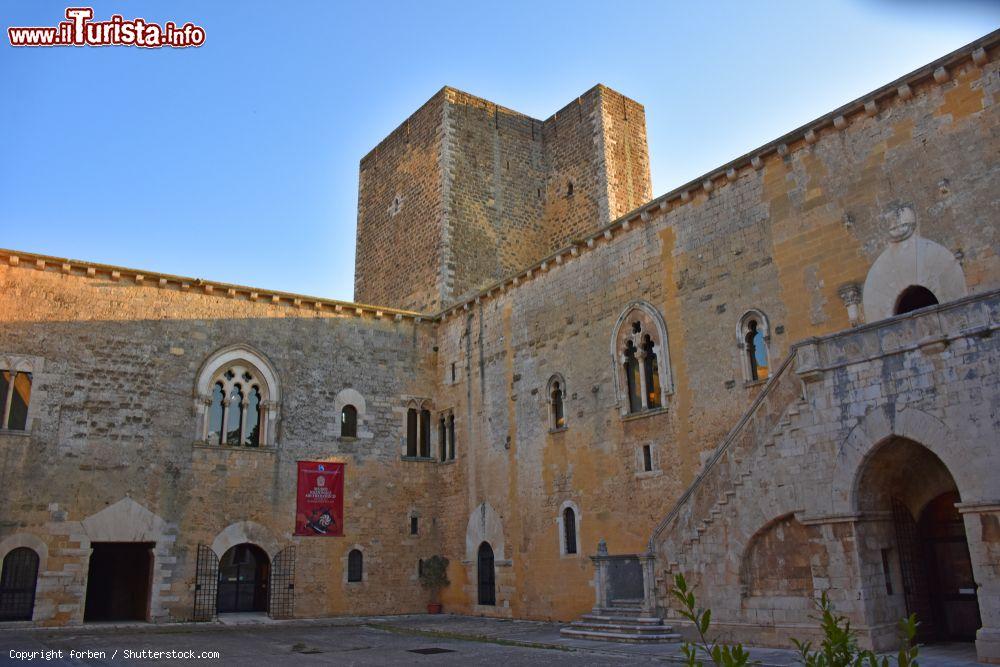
434, 575
719, 654
839, 647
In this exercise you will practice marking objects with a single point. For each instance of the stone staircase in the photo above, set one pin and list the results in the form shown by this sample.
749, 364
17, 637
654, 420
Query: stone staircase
622, 621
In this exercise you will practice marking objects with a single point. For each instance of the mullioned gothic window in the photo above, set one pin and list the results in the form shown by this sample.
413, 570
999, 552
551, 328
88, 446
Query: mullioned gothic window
446, 436
237, 391
418, 430
642, 362
752, 337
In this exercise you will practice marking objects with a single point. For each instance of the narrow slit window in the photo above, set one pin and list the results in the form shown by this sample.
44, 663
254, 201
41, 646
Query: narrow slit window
414, 525
647, 458
443, 438
411, 432
451, 437
425, 433
569, 530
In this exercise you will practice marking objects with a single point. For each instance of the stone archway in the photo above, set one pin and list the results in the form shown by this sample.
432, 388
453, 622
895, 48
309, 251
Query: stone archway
915, 261
912, 543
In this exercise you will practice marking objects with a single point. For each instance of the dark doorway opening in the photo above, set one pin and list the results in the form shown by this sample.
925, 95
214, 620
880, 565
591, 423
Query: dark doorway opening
17, 584
913, 298
244, 573
118, 581
486, 575
950, 582
925, 540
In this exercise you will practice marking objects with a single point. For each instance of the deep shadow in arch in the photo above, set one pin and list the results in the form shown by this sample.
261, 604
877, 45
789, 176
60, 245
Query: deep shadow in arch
486, 575
922, 551
244, 577
913, 298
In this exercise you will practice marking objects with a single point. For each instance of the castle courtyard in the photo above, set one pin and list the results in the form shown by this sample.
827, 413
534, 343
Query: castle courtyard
387, 640
554, 393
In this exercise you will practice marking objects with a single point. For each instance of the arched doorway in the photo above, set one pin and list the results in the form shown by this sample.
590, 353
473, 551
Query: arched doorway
486, 575
920, 547
244, 573
913, 298
17, 584
952, 587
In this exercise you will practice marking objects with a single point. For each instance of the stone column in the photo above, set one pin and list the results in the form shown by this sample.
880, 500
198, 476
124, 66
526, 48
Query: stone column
648, 562
600, 576
981, 522
850, 294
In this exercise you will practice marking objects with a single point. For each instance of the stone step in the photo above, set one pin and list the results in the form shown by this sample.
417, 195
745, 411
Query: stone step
600, 635
616, 618
626, 628
627, 602
620, 612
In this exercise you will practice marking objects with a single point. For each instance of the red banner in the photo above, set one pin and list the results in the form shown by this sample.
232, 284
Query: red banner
319, 509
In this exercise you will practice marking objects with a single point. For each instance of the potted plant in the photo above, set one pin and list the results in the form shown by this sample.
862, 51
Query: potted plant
434, 577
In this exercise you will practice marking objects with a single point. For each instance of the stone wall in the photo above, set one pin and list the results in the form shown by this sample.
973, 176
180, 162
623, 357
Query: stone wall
797, 231
784, 234
901, 408
484, 191
113, 417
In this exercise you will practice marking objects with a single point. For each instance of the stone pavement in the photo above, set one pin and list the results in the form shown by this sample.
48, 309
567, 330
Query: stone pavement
382, 640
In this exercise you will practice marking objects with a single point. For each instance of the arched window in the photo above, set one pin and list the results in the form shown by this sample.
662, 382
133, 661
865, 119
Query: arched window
913, 298
355, 566
425, 433
557, 398
642, 362
411, 432
753, 336
349, 422
237, 399
451, 437
17, 584
569, 531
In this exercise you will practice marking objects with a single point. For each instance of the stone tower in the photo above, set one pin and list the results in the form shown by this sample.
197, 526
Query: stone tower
465, 192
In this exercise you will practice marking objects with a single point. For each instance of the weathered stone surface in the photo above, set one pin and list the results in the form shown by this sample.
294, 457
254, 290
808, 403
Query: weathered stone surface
751, 487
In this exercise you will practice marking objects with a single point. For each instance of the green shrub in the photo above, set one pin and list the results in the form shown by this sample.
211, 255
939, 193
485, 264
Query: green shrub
839, 647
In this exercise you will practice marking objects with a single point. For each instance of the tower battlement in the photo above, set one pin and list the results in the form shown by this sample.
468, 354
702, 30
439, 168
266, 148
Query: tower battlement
466, 191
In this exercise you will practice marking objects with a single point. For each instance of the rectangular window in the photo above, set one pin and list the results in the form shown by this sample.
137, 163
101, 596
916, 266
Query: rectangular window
414, 525
453, 371
647, 458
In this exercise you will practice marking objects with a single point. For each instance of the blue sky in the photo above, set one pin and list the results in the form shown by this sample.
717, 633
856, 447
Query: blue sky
237, 161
